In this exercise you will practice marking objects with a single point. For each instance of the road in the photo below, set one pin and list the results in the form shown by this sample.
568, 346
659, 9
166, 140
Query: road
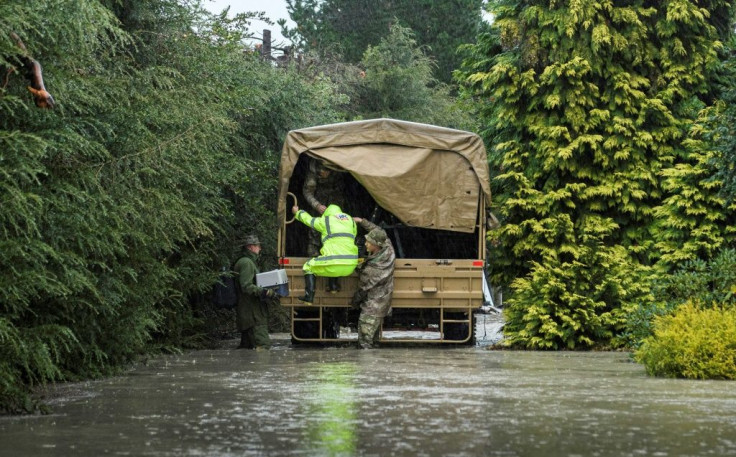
423, 401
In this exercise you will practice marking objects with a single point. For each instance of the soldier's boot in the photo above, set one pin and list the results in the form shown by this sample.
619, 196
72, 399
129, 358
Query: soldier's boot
244, 341
309, 284
334, 285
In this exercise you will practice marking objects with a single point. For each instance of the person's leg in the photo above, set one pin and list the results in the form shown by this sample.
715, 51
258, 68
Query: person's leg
260, 336
310, 283
367, 328
247, 339
334, 285
315, 267
377, 331
314, 243
243, 340
328, 270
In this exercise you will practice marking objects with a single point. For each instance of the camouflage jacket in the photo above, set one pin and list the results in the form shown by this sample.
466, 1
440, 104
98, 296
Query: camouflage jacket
376, 283
323, 191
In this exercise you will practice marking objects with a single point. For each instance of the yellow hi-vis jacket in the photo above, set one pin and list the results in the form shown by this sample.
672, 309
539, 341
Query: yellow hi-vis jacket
338, 232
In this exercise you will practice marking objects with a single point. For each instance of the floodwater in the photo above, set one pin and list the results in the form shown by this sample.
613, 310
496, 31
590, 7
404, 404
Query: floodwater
397, 401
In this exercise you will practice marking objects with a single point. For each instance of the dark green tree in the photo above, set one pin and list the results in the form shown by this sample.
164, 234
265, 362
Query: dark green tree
723, 120
119, 205
588, 103
350, 26
398, 83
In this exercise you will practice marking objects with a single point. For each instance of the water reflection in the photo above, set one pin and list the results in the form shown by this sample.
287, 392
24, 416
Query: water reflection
331, 409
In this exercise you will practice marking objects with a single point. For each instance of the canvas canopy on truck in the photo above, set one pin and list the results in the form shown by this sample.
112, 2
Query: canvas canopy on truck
427, 176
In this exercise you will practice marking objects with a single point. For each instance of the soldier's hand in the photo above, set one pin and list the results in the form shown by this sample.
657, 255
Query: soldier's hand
357, 219
321, 208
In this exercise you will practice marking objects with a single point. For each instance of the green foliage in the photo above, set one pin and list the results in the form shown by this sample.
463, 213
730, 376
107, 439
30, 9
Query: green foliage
397, 76
694, 342
29, 357
697, 281
588, 105
722, 133
398, 83
119, 206
694, 220
640, 320
478, 59
351, 26
711, 281
574, 304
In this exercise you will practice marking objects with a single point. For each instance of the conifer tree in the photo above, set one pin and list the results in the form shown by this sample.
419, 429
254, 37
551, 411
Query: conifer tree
694, 221
588, 102
398, 83
350, 26
723, 121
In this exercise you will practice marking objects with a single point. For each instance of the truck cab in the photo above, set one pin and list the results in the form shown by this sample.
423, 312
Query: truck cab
428, 188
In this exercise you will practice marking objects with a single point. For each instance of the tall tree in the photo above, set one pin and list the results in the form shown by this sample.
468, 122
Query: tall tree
589, 102
350, 26
723, 122
398, 83
694, 220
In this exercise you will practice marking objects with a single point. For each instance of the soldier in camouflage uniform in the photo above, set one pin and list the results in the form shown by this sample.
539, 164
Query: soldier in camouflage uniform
376, 283
252, 311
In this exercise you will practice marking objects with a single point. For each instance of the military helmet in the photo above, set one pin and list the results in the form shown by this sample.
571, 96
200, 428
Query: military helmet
376, 236
251, 240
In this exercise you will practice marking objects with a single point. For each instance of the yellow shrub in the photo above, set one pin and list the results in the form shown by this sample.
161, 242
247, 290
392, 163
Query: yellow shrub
694, 342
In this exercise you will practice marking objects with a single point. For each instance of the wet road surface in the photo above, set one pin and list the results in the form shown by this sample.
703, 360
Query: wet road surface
423, 401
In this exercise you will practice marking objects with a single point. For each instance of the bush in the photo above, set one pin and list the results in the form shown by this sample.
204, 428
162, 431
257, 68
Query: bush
693, 342
574, 304
703, 281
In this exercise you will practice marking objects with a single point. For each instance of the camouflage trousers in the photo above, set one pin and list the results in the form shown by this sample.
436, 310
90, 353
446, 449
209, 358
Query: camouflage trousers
314, 243
255, 337
368, 329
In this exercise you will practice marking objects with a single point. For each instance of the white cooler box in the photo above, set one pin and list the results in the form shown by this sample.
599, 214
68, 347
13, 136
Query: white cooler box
274, 279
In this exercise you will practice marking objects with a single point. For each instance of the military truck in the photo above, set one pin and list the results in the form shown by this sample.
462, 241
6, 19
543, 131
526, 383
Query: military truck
428, 187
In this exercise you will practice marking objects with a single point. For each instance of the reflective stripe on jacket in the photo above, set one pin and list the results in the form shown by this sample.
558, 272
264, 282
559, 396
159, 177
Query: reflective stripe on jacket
338, 233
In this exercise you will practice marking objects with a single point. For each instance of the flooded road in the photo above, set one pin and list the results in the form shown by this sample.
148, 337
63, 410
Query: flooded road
424, 401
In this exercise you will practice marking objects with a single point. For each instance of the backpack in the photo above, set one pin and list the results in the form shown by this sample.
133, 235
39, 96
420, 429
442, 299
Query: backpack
226, 291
